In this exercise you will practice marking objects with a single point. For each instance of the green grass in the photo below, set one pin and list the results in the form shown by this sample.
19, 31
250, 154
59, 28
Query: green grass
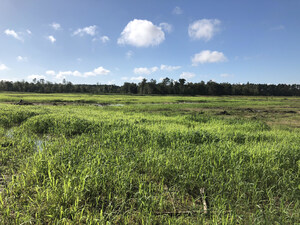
146, 163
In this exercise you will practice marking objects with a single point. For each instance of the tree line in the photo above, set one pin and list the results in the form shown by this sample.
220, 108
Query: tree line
152, 87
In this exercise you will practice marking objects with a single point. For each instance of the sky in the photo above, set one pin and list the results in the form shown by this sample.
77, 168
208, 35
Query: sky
117, 41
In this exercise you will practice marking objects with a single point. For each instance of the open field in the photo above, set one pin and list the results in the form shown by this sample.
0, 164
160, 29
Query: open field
76, 159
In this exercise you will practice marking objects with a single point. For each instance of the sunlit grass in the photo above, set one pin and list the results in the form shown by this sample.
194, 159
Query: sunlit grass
142, 163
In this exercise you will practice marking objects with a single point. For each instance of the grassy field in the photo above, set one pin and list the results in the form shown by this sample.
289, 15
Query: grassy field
114, 159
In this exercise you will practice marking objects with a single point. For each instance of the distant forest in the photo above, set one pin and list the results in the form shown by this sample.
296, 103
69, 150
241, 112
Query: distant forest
165, 87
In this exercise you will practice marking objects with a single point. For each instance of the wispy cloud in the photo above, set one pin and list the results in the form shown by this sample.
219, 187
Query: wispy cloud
13, 34
3, 67
177, 10
150, 70
166, 27
55, 26
22, 59
169, 68
103, 39
91, 30
145, 70
129, 54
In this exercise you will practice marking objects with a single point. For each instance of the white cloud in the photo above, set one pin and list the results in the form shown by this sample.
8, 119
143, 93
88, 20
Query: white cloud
50, 72
141, 33
3, 67
91, 30
104, 39
208, 56
36, 76
204, 29
29, 32
88, 74
51, 39
124, 78
166, 27
177, 10
14, 34
22, 59
101, 71
169, 68
129, 54
55, 26
145, 70
140, 78
187, 75
76, 73
63, 74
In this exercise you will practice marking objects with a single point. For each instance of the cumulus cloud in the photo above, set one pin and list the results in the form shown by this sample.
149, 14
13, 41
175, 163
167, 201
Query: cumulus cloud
145, 70
141, 33
177, 10
140, 78
169, 68
187, 75
50, 72
166, 27
36, 76
13, 34
55, 26
22, 59
101, 71
3, 67
208, 56
51, 39
91, 30
204, 29
63, 74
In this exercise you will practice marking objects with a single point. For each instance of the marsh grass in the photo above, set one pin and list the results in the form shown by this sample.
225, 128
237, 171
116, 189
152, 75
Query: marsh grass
146, 164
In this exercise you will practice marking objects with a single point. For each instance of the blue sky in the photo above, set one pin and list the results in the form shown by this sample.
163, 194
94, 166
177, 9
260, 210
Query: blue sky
116, 41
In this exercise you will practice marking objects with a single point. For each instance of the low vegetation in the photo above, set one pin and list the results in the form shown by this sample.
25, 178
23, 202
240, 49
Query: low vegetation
76, 159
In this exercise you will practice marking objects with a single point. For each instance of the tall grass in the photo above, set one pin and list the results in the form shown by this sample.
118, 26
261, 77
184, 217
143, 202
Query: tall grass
145, 164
